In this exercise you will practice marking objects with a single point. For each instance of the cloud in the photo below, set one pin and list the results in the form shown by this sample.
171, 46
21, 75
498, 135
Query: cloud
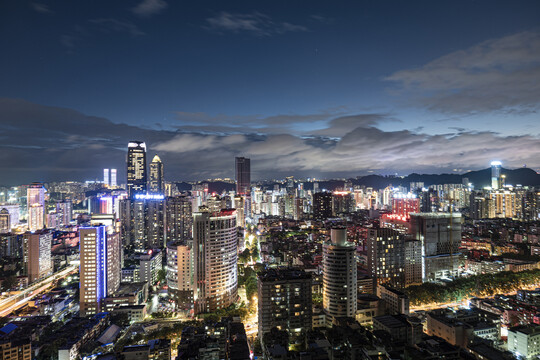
114, 25
42, 8
255, 23
43, 143
149, 7
496, 75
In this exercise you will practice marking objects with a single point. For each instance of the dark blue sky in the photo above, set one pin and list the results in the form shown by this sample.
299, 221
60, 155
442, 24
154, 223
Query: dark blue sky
284, 82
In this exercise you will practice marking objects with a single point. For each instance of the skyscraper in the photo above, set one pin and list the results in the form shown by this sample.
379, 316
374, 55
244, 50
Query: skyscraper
215, 246
243, 176
156, 183
113, 178
322, 205
37, 254
100, 267
386, 256
339, 276
178, 218
136, 168
35, 199
496, 174
106, 179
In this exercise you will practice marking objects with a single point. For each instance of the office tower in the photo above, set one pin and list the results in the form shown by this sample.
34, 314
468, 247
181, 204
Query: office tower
243, 176
64, 209
35, 200
386, 256
178, 218
136, 168
106, 180
215, 244
113, 178
322, 205
339, 276
180, 273
440, 234
496, 174
285, 302
156, 183
100, 267
143, 221
37, 254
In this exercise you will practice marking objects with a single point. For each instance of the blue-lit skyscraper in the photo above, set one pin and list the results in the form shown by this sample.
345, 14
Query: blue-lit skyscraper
100, 266
495, 174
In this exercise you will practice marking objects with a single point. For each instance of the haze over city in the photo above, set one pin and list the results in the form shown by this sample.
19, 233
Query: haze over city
304, 88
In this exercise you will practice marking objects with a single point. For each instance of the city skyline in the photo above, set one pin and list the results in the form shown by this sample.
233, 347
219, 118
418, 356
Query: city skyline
309, 90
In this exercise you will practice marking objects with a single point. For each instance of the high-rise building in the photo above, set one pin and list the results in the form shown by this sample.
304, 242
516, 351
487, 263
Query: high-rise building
386, 256
215, 244
178, 218
106, 177
156, 183
403, 206
413, 262
322, 205
37, 254
285, 302
5, 221
339, 276
113, 178
243, 176
35, 200
496, 174
100, 269
136, 168
64, 209
180, 273
440, 234
12, 210
143, 221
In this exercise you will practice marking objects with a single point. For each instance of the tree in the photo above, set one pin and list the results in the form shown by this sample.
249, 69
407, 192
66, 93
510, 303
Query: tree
9, 282
161, 275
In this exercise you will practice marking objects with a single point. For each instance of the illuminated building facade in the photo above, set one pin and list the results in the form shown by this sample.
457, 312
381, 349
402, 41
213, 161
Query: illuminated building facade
35, 199
156, 183
106, 177
386, 256
37, 254
496, 174
180, 273
243, 175
100, 269
403, 206
285, 302
322, 205
215, 246
339, 276
143, 221
178, 218
113, 183
136, 168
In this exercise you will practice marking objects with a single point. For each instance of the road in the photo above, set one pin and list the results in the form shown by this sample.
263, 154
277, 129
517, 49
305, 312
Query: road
18, 300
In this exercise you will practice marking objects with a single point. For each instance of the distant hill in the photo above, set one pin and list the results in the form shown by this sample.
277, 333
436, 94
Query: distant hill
480, 178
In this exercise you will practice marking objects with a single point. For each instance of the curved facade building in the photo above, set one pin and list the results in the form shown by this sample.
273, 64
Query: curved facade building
339, 276
215, 249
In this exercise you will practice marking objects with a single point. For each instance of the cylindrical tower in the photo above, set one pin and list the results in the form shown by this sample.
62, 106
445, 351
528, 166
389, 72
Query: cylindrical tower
339, 277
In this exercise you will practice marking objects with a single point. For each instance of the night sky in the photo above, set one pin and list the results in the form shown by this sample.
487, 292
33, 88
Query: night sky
305, 88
